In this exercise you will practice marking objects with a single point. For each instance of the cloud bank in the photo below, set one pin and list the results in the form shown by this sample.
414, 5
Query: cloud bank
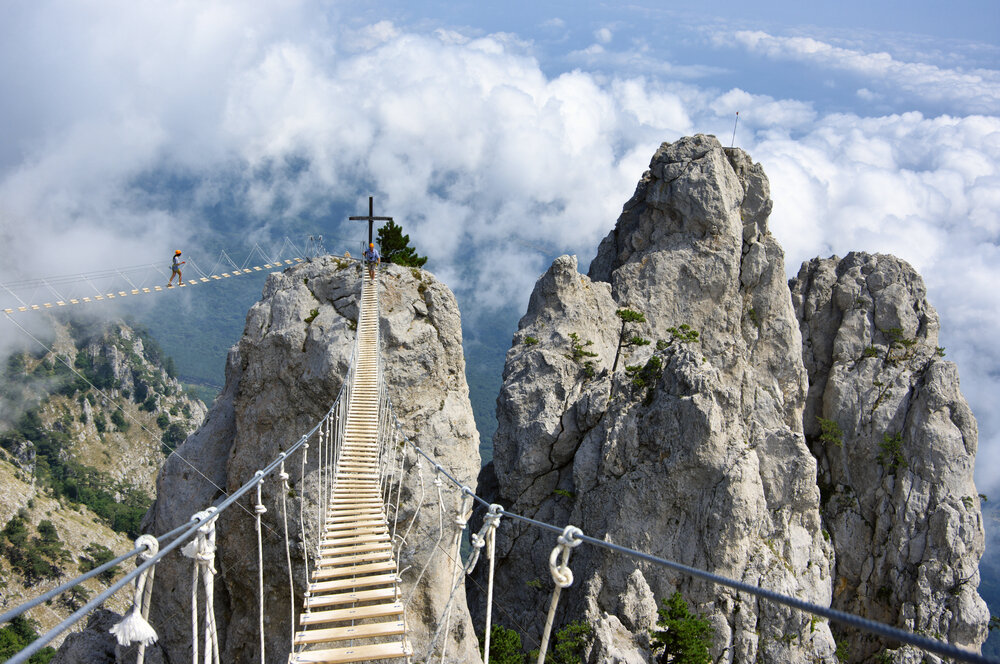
492, 165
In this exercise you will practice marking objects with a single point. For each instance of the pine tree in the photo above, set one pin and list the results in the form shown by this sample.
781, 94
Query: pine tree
394, 247
684, 637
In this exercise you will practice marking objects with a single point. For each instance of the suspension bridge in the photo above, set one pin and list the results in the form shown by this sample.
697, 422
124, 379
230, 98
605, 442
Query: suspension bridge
354, 608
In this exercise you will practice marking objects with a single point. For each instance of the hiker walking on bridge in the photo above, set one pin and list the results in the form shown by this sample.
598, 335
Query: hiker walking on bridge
175, 268
373, 259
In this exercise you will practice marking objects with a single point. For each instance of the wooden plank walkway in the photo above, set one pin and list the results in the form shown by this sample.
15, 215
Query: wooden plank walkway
354, 611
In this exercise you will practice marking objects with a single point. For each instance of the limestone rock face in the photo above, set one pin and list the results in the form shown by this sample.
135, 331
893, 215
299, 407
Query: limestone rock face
280, 380
896, 460
692, 450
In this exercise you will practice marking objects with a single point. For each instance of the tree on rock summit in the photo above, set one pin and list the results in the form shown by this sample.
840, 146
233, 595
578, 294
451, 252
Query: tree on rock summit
395, 247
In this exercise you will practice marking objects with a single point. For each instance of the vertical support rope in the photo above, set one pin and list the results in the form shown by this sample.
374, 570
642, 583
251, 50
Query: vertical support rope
562, 575
283, 478
493, 519
259, 509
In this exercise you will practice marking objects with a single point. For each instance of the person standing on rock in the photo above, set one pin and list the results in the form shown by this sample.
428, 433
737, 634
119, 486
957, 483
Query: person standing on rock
175, 268
372, 259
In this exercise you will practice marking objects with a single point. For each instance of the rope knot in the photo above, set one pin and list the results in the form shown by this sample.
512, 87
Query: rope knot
562, 575
151, 544
260, 509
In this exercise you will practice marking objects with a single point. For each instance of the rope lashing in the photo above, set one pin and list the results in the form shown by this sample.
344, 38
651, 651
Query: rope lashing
202, 550
465, 503
260, 510
562, 576
490, 524
134, 626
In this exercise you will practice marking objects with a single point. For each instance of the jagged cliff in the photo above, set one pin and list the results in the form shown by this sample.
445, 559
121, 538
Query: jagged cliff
896, 457
280, 379
695, 449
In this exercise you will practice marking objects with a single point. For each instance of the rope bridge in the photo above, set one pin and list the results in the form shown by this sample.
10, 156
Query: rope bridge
353, 609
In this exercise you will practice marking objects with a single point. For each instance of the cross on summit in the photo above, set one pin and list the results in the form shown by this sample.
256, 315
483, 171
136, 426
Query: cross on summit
371, 218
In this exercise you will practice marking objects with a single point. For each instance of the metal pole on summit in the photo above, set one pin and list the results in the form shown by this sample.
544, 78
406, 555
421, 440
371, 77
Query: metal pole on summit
371, 218
732, 143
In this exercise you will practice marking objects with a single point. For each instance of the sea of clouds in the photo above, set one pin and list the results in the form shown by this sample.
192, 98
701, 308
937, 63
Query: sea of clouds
493, 160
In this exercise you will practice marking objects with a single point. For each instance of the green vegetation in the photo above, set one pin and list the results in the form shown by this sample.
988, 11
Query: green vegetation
530, 341
505, 646
171, 438
627, 316
95, 556
163, 420
118, 503
312, 316
683, 334
830, 432
891, 452
17, 635
870, 351
684, 637
564, 493
394, 247
843, 652
118, 419
36, 558
567, 645
578, 351
535, 583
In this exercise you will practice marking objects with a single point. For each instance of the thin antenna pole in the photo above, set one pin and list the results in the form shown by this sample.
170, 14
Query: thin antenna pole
733, 142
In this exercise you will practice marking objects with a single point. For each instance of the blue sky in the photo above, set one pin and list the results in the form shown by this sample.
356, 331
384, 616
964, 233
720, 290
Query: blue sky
510, 131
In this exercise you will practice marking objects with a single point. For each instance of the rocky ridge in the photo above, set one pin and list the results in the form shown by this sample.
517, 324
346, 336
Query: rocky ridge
695, 450
896, 443
280, 380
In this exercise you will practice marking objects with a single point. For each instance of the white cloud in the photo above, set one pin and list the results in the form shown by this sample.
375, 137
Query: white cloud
968, 91
469, 144
603, 35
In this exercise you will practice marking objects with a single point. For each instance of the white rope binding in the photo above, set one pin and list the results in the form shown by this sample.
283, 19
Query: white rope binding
202, 550
134, 626
562, 576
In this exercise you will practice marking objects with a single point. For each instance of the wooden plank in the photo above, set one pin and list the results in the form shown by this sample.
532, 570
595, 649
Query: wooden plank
394, 650
351, 597
340, 561
351, 570
353, 613
370, 630
357, 548
352, 583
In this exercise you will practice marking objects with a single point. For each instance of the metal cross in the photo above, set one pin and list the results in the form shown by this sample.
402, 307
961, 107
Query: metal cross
371, 218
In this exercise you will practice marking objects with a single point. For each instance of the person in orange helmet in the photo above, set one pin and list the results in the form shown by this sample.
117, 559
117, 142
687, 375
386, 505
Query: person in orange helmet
175, 268
372, 259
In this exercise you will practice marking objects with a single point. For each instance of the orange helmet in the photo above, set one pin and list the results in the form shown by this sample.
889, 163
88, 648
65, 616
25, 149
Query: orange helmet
177, 252
371, 246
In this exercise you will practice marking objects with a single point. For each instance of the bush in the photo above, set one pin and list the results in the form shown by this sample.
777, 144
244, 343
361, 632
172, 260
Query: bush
118, 419
17, 635
684, 637
505, 646
171, 438
163, 420
95, 556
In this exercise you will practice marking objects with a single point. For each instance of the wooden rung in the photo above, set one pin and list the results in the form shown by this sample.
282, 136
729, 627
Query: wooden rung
338, 561
357, 539
357, 548
367, 653
370, 630
353, 613
358, 525
353, 583
349, 516
376, 595
354, 570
